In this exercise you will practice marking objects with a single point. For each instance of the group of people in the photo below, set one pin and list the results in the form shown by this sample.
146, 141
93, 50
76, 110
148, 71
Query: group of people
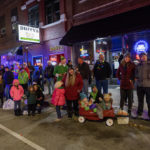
70, 82
129, 75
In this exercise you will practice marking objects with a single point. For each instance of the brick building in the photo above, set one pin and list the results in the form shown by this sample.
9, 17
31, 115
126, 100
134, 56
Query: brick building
106, 26
48, 16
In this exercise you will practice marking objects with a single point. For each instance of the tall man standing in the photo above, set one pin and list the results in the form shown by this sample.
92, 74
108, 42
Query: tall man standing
102, 71
61, 69
84, 70
48, 73
143, 83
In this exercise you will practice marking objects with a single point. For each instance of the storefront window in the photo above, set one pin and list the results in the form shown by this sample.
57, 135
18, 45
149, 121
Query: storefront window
52, 11
33, 16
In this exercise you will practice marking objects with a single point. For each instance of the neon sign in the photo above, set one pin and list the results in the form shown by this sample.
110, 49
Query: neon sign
141, 47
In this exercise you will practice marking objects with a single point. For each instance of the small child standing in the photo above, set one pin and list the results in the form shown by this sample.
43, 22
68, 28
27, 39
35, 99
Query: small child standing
58, 98
16, 92
1, 89
31, 100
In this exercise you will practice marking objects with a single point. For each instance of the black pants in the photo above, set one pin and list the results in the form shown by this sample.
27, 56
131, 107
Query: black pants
72, 107
31, 108
58, 111
141, 92
126, 94
1, 97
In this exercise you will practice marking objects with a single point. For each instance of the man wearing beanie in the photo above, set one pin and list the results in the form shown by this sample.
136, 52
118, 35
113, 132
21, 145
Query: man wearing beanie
126, 75
143, 83
60, 69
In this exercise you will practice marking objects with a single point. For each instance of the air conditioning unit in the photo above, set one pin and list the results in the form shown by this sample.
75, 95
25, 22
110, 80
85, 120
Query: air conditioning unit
3, 31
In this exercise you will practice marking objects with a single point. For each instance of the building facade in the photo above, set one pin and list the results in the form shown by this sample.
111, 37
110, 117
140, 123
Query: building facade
110, 27
49, 17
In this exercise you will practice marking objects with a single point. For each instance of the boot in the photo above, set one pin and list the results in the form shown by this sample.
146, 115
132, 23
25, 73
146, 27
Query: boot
16, 112
19, 112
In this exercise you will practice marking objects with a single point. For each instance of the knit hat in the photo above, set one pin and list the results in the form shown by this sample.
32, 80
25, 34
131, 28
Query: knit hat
127, 55
62, 58
82, 96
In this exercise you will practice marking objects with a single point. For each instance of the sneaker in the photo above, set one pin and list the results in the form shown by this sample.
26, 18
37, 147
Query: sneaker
58, 119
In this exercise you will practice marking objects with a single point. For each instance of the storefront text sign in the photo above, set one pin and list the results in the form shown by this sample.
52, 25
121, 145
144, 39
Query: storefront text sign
57, 48
29, 34
141, 47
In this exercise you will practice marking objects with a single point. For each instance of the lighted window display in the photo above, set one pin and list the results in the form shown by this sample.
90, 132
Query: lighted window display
37, 60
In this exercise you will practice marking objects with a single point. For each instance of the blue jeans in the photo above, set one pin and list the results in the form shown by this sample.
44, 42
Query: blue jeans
58, 111
50, 83
17, 105
7, 91
85, 86
102, 84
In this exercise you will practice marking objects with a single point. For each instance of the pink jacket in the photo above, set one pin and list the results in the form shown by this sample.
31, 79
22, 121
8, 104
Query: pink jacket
15, 93
58, 97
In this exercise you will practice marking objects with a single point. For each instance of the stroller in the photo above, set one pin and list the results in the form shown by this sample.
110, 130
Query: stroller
90, 115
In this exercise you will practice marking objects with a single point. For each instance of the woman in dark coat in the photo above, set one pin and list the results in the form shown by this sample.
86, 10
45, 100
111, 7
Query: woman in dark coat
73, 84
126, 75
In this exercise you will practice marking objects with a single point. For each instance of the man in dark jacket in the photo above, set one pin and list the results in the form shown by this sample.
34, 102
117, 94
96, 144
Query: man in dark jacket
49, 77
84, 70
102, 71
143, 83
31, 69
8, 78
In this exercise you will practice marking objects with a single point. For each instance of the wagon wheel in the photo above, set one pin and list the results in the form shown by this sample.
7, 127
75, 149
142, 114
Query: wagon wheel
81, 119
109, 122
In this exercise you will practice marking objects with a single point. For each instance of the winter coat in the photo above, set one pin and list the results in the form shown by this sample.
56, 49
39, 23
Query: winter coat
72, 92
48, 72
28, 71
31, 69
23, 77
8, 77
31, 98
16, 93
84, 70
58, 97
142, 74
102, 70
36, 76
126, 75
2, 85
39, 93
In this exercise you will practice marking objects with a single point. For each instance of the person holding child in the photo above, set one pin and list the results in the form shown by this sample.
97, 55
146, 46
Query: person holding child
31, 100
16, 92
73, 86
58, 98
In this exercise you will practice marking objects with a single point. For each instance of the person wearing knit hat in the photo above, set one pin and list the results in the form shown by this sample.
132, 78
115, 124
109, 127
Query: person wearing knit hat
61, 69
126, 75
142, 75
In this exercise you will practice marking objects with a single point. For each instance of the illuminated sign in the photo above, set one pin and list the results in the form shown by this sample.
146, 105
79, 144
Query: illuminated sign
141, 47
29, 34
57, 48
84, 53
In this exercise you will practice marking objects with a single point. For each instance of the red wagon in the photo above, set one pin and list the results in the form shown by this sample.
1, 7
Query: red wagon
90, 115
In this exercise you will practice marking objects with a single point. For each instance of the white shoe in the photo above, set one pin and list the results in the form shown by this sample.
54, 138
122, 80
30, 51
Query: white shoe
58, 119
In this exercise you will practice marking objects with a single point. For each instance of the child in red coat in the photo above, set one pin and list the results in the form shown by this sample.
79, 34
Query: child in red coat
58, 98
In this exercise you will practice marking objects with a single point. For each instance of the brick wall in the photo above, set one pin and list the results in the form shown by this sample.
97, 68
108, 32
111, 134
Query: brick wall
91, 10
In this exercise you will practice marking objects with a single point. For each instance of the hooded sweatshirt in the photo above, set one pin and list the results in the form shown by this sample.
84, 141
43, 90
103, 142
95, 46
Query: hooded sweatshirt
16, 92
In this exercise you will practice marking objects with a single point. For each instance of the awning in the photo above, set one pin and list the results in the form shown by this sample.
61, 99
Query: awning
134, 20
17, 50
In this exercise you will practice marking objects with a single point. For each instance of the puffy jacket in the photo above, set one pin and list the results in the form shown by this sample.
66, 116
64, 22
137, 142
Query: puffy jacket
72, 92
58, 97
16, 93
28, 71
126, 74
23, 77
